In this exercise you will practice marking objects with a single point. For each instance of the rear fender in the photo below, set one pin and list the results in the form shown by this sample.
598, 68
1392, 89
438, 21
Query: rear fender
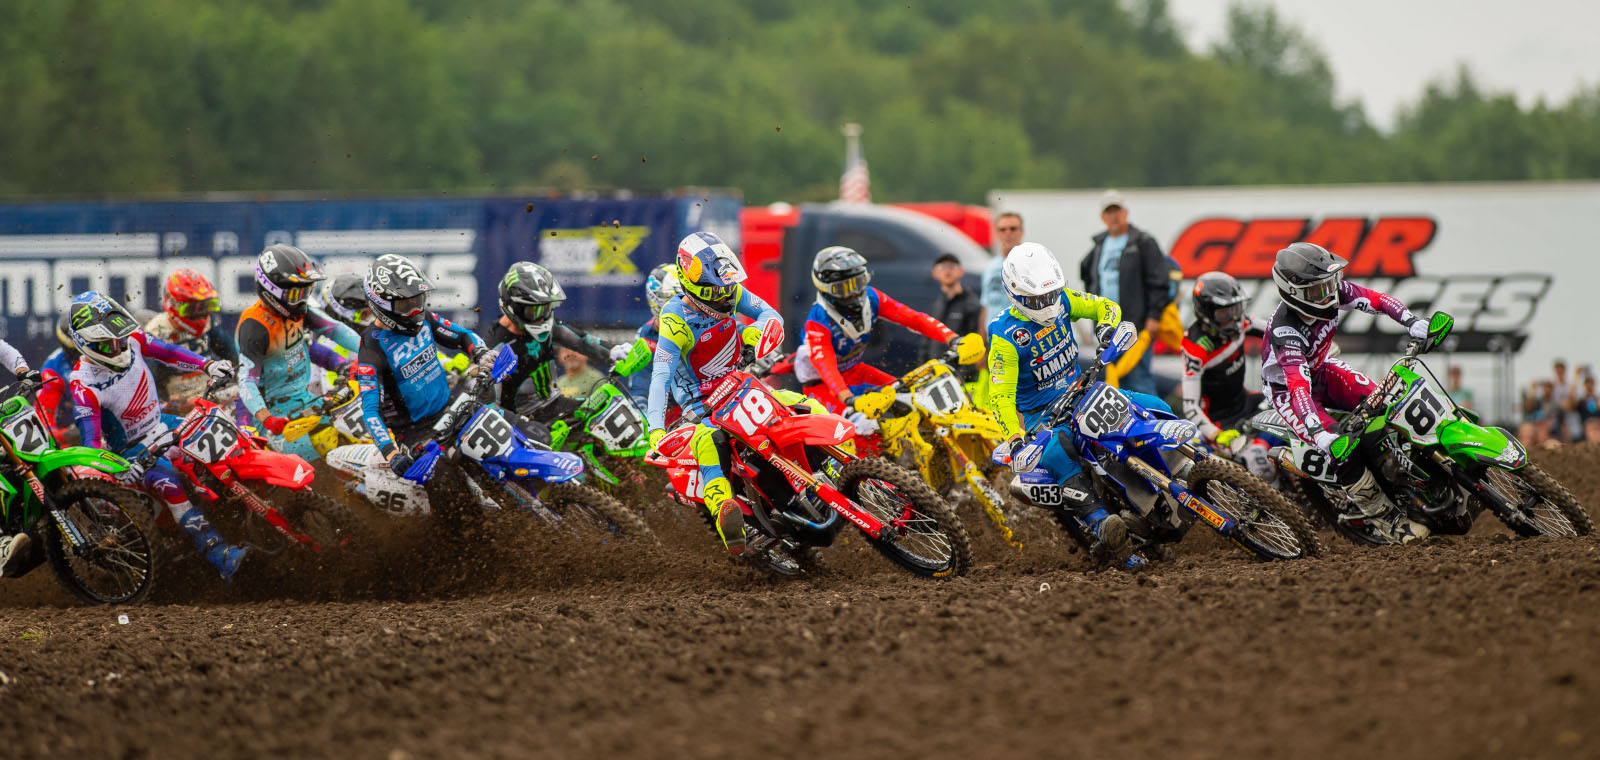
103, 461
1468, 443
811, 430
272, 468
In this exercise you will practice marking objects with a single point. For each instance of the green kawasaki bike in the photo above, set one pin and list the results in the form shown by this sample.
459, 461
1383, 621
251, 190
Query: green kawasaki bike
608, 431
95, 533
1431, 458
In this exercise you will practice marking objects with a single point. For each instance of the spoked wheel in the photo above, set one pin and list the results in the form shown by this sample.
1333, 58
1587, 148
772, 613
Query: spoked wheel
1547, 504
1269, 527
929, 540
1330, 504
116, 563
592, 513
331, 524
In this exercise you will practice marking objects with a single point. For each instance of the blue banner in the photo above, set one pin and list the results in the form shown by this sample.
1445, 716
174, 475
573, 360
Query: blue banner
599, 249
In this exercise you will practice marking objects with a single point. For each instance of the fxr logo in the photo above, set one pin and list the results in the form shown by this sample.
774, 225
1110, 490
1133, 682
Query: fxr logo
1383, 247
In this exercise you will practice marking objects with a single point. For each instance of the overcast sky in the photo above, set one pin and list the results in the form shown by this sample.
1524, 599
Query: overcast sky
1383, 52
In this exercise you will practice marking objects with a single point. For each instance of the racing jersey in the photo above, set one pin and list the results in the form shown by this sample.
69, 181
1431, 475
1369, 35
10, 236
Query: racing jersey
1029, 364
277, 354
639, 382
118, 410
214, 343
1213, 375
696, 347
57, 368
535, 355
11, 358
833, 343
401, 378
1296, 348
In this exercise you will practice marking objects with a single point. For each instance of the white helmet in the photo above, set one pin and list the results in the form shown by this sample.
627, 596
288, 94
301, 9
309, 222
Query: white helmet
1034, 282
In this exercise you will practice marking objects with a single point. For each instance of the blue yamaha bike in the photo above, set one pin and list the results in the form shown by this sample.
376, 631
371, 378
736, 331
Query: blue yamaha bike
1146, 467
475, 439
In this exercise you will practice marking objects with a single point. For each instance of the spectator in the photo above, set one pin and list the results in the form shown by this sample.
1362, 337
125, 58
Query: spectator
1563, 414
955, 306
1462, 396
1589, 410
1126, 265
1008, 233
1532, 430
578, 379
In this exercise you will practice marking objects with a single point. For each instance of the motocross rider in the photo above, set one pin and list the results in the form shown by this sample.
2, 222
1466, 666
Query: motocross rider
188, 319
343, 298
14, 548
402, 381
1301, 379
529, 295
118, 408
1033, 360
659, 288
700, 331
838, 327
1214, 396
278, 352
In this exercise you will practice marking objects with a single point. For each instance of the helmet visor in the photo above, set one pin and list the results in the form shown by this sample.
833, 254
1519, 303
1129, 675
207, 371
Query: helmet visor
850, 287
1043, 301
196, 309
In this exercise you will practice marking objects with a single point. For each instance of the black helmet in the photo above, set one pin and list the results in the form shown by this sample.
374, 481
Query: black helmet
345, 298
1219, 303
529, 295
284, 276
398, 293
64, 335
1308, 278
840, 275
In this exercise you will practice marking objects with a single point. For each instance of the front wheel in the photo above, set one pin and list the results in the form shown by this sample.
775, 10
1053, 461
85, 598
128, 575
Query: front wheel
929, 540
589, 511
1268, 526
116, 561
335, 529
1549, 508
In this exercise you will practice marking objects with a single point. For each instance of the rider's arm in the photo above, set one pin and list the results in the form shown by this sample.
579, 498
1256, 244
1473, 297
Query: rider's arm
318, 321
221, 343
452, 335
752, 306
913, 320
12, 358
1104, 311
1003, 373
1353, 296
86, 412
582, 342
1290, 348
676, 338
819, 348
1253, 330
371, 366
253, 345
177, 357
325, 354
1194, 367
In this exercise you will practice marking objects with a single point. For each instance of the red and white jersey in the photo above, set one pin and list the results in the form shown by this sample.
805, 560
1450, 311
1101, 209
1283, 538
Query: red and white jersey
128, 400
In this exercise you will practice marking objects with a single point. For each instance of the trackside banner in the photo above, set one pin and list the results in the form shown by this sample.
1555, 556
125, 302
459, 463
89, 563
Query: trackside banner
599, 249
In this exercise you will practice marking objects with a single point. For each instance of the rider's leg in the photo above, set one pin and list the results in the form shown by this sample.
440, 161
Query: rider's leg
711, 451
13, 552
162, 480
1060, 459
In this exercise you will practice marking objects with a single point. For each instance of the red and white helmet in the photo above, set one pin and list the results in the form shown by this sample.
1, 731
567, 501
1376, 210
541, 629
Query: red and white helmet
189, 300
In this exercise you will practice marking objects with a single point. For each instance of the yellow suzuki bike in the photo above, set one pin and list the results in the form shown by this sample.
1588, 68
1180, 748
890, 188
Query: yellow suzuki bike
963, 436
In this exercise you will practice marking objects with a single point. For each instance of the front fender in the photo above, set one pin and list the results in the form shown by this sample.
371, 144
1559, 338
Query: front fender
273, 468
1468, 443
104, 461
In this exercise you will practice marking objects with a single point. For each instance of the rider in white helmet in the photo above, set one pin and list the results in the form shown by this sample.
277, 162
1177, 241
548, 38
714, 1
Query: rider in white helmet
1033, 358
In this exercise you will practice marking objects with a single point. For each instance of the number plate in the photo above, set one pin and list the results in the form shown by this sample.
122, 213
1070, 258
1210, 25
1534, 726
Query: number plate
486, 437
350, 419
941, 395
1103, 411
212, 440
620, 426
27, 433
747, 411
1421, 411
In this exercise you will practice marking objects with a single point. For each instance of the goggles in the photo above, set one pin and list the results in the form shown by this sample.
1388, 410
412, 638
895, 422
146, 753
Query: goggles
410, 307
534, 313
849, 287
109, 347
1043, 301
712, 293
1227, 315
196, 309
1321, 293
296, 295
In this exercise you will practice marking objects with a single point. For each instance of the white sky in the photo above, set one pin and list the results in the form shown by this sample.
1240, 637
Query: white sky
1383, 52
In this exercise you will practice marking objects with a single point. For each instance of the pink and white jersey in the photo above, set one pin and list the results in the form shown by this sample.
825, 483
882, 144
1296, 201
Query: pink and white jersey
123, 409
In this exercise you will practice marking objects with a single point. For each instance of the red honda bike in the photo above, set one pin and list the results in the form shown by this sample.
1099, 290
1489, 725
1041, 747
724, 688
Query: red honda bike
798, 486
253, 495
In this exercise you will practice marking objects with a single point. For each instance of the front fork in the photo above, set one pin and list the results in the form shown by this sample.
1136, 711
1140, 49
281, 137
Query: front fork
965, 469
1221, 523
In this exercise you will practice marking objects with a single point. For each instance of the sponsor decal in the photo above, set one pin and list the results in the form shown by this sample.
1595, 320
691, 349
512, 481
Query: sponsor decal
1021, 337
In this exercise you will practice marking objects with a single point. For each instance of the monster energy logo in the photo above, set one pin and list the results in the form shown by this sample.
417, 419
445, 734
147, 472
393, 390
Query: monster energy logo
511, 278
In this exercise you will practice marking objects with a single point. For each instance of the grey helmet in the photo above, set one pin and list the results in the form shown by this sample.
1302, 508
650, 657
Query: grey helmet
1308, 278
841, 276
345, 297
397, 291
1219, 303
529, 295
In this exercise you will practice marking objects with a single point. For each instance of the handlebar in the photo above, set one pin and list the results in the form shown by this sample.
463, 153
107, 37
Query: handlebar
1363, 412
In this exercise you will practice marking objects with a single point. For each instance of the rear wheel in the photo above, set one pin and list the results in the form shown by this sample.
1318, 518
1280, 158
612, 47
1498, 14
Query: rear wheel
1549, 506
332, 525
1327, 505
929, 540
1269, 527
116, 563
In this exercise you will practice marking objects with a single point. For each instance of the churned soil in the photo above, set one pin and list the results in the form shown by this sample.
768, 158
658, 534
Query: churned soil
523, 645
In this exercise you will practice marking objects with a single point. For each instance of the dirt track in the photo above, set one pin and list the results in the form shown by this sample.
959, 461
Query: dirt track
1480, 646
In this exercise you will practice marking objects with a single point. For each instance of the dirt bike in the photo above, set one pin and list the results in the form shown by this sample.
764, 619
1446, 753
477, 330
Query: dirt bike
780, 460
1140, 462
1432, 460
483, 447
963, 436
254, 495
608, 431
96, 534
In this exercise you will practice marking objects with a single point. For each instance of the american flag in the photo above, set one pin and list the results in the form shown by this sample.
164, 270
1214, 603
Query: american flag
855, 185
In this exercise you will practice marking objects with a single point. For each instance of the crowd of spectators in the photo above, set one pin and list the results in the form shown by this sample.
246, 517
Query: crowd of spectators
1561, 408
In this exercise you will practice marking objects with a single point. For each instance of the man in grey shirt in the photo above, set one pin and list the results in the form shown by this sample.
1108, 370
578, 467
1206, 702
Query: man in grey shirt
1126, 265
1008, 233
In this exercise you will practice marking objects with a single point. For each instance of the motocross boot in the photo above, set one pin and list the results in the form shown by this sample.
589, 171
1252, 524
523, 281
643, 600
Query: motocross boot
725, 511
13, 552
1373, 505
1080, 498
224, 557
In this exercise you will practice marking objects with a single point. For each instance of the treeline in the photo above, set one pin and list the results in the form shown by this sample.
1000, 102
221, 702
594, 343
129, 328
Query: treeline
957, 97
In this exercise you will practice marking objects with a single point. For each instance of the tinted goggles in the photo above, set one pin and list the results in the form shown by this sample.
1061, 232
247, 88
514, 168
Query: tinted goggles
410, 307
1227, 315
538, 312
847, 288
1044, 301
196, 309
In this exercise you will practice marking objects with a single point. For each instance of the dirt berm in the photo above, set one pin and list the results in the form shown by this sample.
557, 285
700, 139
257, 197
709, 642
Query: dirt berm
1482, 646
